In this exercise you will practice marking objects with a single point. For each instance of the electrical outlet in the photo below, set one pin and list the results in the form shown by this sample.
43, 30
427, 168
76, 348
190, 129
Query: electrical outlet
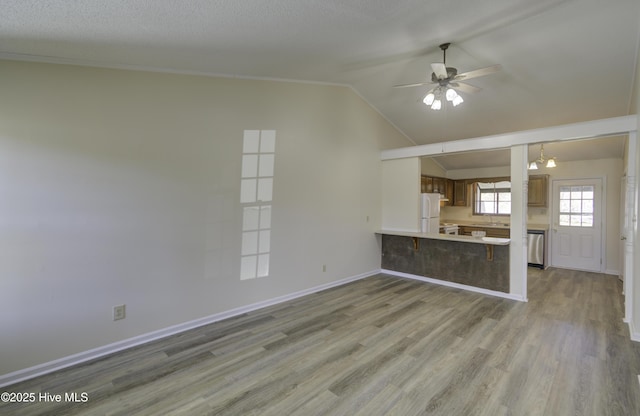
119, 312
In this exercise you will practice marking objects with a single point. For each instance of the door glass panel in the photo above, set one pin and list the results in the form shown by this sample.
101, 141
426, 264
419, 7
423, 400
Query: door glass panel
576, 206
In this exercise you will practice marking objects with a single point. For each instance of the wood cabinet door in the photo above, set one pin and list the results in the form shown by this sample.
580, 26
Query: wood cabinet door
538, 189
490, 231
426, 184
439, 185
448, 192
460, 193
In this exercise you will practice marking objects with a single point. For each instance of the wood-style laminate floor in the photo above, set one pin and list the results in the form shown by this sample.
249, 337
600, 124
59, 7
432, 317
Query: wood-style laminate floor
379, 346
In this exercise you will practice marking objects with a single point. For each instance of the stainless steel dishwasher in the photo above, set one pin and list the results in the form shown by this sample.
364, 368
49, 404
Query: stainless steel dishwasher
535, 248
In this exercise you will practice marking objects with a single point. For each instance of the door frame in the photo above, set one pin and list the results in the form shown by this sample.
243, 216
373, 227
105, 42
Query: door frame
603, 218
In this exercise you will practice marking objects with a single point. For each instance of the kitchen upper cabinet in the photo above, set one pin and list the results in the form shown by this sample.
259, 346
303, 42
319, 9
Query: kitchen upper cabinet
439, 185
426, 184
457, 191
460, 193
449, 192
538, 190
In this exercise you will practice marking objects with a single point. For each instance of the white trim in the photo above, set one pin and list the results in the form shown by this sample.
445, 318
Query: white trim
631, 212
633, 332
603, 225
48, 367
518, 273
455, 285
584, 130
603, 221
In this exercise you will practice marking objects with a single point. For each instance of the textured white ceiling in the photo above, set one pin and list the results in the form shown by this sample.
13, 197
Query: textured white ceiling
563, 61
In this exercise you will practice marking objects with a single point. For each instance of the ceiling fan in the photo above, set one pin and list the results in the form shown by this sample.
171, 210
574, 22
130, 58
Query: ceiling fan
446, 81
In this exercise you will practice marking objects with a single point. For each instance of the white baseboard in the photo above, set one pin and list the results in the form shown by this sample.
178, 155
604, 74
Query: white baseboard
456, 285
634, 334
48, 367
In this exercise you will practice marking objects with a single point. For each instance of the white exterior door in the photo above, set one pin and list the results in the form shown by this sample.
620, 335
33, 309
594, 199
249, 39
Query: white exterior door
576, 231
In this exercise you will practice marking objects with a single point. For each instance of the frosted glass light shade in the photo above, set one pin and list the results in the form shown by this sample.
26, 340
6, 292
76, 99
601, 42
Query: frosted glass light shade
428, 99
451, 94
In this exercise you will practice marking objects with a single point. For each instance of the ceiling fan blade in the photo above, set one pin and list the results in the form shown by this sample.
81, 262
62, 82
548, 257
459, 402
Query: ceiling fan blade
469, 89
417, 84
479, 72
440, 70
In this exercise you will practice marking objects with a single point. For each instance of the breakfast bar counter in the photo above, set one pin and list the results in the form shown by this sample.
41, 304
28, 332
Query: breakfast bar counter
481, 262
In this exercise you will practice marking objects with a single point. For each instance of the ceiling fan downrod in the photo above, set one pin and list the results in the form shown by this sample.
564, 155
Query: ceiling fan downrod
444, 48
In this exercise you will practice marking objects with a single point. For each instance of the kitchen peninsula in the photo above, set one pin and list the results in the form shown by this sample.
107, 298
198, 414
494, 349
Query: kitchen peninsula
481, 262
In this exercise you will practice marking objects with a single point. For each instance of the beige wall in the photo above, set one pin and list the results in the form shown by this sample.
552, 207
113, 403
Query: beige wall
429, 167
401, 194
123, 187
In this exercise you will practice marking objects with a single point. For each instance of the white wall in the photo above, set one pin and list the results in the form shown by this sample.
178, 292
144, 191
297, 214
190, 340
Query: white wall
123, 187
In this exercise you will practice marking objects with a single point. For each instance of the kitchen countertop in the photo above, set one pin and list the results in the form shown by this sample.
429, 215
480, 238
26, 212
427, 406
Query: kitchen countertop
448, 237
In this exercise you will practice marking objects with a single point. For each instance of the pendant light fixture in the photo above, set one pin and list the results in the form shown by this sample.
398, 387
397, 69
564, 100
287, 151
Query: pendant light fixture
550, 162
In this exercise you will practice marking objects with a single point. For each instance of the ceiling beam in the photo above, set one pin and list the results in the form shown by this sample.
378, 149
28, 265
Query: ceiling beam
584, 130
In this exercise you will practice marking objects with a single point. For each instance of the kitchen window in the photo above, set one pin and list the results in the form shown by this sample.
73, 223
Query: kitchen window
492, 198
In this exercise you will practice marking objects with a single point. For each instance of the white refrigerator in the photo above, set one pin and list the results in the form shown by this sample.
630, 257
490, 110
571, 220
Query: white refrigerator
430, 213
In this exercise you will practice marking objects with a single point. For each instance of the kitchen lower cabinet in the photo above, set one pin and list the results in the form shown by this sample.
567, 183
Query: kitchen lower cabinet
491, 231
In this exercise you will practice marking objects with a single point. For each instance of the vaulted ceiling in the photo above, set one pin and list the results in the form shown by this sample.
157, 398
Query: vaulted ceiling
563, 61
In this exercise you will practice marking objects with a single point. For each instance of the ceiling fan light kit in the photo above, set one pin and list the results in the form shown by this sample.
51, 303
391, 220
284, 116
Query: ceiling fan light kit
447, 82
434, 98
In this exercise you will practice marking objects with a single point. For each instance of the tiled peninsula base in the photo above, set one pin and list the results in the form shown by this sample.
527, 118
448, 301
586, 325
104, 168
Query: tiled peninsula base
481, 265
